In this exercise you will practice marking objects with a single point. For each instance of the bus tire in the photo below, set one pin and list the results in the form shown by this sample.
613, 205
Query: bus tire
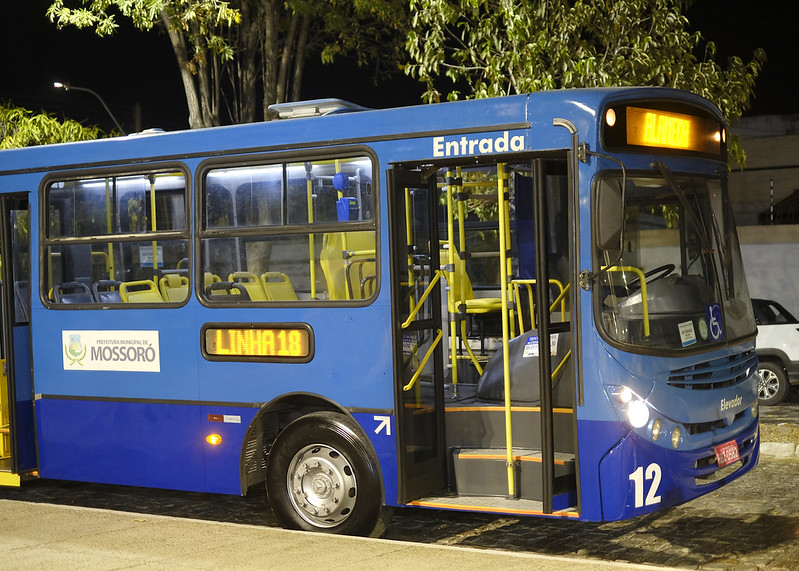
772, 386
322, 476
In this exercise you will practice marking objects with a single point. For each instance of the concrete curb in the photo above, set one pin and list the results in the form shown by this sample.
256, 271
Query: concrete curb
780, 449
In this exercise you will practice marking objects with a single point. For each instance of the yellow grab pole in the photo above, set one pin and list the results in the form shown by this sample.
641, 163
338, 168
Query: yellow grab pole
311, 241
503, 289
153, 222
109, 263
453, 331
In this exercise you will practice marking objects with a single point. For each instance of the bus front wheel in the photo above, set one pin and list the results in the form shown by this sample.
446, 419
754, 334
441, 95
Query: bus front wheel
321, 476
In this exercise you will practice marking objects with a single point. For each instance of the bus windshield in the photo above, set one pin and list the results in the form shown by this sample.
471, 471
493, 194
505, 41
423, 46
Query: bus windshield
672, 275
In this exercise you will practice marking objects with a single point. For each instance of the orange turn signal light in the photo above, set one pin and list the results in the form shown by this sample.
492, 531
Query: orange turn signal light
214, 439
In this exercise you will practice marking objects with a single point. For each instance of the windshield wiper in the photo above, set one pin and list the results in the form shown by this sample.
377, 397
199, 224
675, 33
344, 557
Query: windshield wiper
693, 217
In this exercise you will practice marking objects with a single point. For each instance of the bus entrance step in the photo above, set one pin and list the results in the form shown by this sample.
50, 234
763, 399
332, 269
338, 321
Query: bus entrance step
477, 424
484, 472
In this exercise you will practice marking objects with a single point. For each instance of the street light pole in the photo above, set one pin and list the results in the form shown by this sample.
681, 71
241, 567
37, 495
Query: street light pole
67, 87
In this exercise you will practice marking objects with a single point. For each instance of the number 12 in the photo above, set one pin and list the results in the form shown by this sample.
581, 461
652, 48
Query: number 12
653, 473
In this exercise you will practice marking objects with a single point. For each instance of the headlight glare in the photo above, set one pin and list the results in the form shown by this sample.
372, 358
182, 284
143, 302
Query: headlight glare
637, 413
625, 395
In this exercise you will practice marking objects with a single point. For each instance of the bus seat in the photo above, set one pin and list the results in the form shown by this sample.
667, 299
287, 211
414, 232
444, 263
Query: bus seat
350, 273
107, 291
234, 292
73, 292
523, 354
473, 304
140, 291
174, 287
277, 287
208, 280
250, 282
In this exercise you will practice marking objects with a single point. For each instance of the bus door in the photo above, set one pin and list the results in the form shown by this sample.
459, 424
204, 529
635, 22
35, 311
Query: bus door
482, 267
416, 309
17, 444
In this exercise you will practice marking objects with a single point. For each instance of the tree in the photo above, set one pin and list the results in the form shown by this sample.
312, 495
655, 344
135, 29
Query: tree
195, 29
230, 51
20, 127
498, 47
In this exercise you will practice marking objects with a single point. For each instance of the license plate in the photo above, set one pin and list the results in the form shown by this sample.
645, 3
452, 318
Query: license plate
727, 453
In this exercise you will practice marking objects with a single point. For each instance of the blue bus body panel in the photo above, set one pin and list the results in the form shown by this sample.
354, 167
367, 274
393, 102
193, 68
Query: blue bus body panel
23, 410
381, 430
149, 428
129, 443
674, 480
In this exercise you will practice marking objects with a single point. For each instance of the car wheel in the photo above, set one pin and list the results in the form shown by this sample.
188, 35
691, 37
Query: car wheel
321, 475
773, 384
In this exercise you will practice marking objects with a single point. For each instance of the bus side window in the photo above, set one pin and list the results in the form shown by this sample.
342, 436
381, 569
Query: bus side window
87, 253
315, 238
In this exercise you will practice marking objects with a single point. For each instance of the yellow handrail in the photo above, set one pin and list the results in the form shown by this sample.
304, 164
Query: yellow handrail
436, 276
153, 222
504, 219
311, 241
560, 300
642, 279
419, 370
562, 364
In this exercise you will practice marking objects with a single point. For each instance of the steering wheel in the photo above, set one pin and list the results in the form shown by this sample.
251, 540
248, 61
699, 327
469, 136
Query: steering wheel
659, 273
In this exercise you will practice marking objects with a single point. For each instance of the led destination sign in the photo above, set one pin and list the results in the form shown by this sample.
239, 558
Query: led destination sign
659, 129
258, 342
648, 127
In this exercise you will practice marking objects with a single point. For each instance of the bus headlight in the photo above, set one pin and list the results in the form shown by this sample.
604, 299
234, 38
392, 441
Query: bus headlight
629, 405
637, 413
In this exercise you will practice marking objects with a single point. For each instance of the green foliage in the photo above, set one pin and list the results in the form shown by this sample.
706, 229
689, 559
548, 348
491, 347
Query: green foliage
201, 18
499, 47
22, 128
229, 51
197, 30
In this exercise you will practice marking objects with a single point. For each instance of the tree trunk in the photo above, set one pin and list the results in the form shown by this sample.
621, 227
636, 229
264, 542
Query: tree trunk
247, 58
299, 58
285, 61
269, 53
179, 47
205, 61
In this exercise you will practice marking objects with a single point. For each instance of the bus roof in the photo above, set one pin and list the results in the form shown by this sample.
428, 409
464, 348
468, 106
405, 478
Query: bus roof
359, 126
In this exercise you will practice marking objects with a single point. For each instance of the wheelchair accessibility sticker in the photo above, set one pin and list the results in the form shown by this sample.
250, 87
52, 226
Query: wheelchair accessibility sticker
714, 323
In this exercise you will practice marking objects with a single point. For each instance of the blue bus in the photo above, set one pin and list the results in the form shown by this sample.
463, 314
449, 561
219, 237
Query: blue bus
528, 305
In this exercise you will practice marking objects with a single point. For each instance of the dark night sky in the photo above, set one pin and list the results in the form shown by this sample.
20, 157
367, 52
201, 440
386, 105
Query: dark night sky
137, 67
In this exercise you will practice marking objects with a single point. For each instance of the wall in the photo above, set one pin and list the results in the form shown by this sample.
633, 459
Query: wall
771, 262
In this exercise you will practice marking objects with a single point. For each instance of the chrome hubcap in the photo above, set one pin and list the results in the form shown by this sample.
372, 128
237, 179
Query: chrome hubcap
321, 485
768, 385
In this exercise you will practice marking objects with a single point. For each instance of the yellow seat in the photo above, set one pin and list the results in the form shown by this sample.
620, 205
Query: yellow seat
250, 283
277, 287
141, 291
209, 278
462, 283
174, 287
349, 270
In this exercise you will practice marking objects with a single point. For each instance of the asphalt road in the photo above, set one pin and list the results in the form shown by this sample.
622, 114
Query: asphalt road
752, 523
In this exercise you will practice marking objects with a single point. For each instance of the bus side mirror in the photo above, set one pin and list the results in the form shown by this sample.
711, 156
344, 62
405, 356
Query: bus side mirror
609, 218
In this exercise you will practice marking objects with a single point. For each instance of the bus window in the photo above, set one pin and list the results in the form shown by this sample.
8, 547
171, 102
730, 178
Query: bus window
105, 234
668, 286
289, 232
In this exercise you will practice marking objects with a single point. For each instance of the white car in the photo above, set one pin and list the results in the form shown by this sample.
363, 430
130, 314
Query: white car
777, 349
